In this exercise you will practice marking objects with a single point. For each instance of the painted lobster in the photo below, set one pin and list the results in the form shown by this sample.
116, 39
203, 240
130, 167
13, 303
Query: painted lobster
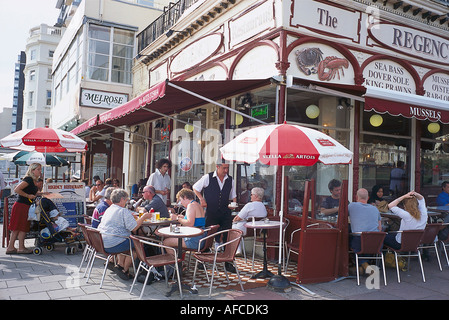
330, 67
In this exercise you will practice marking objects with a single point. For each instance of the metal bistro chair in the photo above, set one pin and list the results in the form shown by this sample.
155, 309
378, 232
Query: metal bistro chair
204, 246
371, 247
149, 262
410, 241
88, 249
234, 236
429, 239
97, 243
444, 242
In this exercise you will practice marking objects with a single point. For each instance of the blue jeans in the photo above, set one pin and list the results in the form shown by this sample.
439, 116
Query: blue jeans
390, 241
121, 247
356, 246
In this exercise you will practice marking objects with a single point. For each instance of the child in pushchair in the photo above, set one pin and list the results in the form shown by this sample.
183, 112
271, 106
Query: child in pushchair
53, 228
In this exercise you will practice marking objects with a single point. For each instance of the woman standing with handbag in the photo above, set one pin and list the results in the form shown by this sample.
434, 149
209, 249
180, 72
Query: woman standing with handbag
19, 224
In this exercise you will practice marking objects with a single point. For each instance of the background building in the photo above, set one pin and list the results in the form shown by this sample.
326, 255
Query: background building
19, 84
40, 49
92, 70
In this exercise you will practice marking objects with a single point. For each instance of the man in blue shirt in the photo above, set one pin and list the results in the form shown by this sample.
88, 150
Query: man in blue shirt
363, 217
443, 197
154, 202
330, 205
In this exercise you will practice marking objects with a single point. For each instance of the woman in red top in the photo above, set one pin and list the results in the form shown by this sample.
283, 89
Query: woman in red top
19, 224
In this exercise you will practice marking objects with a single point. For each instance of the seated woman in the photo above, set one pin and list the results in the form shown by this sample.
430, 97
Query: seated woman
194, 217
413, 216
377, 193
376, 198
255, 209
116, 226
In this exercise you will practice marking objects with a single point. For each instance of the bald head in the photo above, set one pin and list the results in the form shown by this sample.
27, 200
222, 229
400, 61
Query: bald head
362, 195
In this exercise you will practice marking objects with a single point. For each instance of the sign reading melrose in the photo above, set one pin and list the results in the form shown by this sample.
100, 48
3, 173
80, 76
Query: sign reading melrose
102, 99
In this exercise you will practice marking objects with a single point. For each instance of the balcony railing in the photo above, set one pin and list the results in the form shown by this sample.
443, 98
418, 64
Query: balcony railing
163, 23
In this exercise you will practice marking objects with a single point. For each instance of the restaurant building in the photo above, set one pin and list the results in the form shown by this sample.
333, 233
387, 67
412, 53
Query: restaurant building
372, 74
92, 69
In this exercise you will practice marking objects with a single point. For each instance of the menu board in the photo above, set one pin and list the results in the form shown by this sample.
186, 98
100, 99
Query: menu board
71, 200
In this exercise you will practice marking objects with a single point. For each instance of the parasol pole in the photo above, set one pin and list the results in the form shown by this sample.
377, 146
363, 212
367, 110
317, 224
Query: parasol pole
279, 282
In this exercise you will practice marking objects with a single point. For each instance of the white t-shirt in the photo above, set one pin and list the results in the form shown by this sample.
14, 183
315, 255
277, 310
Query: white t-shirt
251, 209
408, 222
204, 182
159, 182
116, 221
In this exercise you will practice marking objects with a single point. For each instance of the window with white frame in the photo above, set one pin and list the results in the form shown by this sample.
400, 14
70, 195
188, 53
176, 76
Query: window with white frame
30, 98
48, 97
110, 54
32, 75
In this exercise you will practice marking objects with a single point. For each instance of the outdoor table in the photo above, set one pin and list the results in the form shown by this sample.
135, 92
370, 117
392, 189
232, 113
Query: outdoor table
442, 210
264, 225
434, 215
184, 232
157, 224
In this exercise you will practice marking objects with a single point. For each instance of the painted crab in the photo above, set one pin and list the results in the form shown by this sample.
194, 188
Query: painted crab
308, 60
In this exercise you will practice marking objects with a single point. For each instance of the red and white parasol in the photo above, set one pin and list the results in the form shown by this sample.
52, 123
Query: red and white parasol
286, 145
46, 140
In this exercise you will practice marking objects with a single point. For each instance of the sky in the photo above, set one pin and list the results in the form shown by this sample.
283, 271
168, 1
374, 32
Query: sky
17, 17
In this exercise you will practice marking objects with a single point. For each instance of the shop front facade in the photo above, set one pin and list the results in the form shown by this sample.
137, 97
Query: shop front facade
374, 76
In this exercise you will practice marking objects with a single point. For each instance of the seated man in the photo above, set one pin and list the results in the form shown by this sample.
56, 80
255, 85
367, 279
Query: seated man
330, 205
443, 197
363, 217
155, 203
255, 208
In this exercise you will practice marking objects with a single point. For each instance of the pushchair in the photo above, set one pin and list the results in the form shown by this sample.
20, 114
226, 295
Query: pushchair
53, 229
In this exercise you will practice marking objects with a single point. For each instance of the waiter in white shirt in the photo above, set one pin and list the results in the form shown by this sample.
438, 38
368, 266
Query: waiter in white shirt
160, 179
214, 190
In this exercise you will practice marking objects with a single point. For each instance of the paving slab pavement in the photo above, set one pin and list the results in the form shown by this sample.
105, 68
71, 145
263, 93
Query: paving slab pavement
54, 276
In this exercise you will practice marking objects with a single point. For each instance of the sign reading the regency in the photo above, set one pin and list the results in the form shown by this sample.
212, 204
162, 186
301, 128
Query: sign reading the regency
411, 41
102, 99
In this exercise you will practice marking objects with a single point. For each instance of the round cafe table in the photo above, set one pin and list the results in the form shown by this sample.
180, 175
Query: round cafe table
184, 232
264, 225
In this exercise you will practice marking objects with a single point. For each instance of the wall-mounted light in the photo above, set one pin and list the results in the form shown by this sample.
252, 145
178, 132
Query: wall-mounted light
344, 103
376, 120
433, 127
238, 119
312, 111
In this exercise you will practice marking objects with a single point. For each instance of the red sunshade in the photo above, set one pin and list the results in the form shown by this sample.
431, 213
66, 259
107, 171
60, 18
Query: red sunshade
44, 140
285, 145
406, 110
167, 100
